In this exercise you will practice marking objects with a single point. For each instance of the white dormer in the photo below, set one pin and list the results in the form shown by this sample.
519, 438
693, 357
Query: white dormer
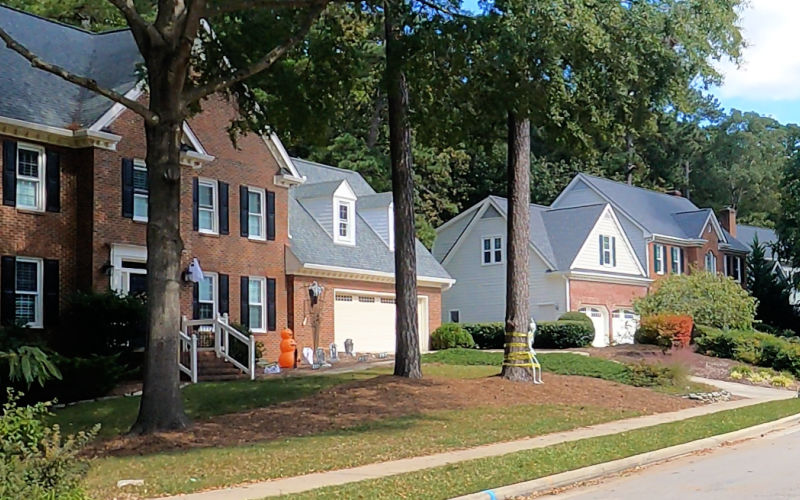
378, 211
344, 215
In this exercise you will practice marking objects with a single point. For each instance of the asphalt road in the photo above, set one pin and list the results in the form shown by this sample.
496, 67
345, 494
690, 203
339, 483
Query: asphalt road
767, 467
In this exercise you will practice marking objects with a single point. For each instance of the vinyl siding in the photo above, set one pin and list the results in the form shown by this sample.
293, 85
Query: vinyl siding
447, 237
589, 255
480, 291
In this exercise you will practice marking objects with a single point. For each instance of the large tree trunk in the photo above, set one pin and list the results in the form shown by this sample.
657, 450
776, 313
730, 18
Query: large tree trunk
407, 356
161, 407
516, 364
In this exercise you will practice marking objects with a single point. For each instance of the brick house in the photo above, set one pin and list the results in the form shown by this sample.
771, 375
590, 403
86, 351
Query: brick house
74, 206
597, 248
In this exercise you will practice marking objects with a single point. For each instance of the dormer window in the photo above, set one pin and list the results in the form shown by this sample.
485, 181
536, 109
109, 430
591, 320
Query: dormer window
344, 230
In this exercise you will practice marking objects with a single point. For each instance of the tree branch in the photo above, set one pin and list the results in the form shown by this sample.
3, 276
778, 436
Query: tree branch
264, 63
138, 25
228, 6
82, 81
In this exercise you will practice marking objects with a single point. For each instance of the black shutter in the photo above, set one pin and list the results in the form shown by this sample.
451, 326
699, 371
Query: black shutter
224, 300
53, 181
195, 300
244, 293
8, 280
127, 187
271, 310
9, 173
602, 261
270, 215
614, 251
195, 204
244, 202
50, 287
682, 264
224, 227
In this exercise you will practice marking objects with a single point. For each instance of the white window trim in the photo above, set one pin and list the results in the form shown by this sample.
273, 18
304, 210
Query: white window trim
350, 239
672, 262
713, 268
263, 194
450, 315
120, 278
611, 250
214, 208
38, 312
214, 292
492, 249
263, 303
659, 252
40, 179
140, 165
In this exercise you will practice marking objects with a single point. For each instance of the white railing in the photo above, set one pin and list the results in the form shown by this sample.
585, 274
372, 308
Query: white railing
188, 346
224, 336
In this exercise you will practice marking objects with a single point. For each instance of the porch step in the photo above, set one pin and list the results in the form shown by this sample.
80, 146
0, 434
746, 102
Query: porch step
212, 368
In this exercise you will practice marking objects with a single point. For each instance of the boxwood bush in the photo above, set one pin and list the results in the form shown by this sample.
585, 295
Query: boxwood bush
564, 334
577, 316
451, 335
487, 335
761, 349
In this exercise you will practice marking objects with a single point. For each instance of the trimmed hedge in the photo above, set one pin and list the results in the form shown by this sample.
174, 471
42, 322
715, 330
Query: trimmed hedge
665, 330
761, 349
577, 316
487, 335
564, 334
451, 335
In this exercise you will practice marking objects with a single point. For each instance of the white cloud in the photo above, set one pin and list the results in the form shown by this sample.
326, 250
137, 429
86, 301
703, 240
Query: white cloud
770, 68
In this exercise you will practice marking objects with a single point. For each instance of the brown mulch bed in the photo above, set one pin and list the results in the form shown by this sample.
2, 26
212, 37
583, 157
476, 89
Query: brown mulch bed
387, 397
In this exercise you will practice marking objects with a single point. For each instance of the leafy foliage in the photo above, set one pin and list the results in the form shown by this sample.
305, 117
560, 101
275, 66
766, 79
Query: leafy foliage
752, 347
36, 461
564, 334
576, 316
772, 291
708, 298
665, 330
451, 335
29, 364
487, 335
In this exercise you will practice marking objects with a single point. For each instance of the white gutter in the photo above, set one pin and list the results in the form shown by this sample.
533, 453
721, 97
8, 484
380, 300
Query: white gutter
445, 283
566, 280
57, 135
672, 240
623, 280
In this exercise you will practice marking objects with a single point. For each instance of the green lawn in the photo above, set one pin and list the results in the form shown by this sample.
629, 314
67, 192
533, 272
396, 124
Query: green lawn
477, 475
182, 472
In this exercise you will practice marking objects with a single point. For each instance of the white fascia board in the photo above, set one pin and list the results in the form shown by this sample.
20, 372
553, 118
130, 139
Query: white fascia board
370, 275
461, 215
673, 240
607, 278
625, 239
56, 135
193, 140
275, 147
484, 205
117, 109
714, 222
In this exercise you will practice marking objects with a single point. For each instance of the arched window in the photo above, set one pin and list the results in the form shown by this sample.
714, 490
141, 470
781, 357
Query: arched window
711, 262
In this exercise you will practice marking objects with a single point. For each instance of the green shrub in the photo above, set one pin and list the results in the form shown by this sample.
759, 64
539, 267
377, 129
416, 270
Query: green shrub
36, 461
710, 299
451, 335
577, 316
564, 334
102, 324
238, 350
761, 349
656, 375
487, 335
82, 378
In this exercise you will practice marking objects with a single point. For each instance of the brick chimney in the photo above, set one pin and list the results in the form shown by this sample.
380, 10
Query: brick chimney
727, 219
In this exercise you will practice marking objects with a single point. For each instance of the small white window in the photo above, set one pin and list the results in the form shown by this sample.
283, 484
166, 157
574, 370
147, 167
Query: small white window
140, 191
344, 218
676, 260
255, 214
608, 250
455, 316
257, 304
733, 267
30, 177
28, 292
658, 259
492, 250
207, 206
711, 262
207, 296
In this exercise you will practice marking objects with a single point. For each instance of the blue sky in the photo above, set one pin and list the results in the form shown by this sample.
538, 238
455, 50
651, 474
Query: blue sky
767, 80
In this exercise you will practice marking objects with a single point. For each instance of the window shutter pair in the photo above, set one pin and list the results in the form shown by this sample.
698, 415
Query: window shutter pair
50, 291
244, 294
244, 213
613, 242
222, 206
52, 177
222, 297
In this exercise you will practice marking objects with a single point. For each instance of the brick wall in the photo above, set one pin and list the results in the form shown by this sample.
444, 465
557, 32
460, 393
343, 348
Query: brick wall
301, 309
610, 296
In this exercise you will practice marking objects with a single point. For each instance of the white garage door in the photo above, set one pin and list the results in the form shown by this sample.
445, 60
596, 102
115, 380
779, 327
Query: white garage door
624, 323
368, 319
600, 323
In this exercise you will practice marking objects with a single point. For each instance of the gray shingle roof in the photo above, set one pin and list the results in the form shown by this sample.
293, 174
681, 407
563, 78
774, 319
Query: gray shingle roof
311, 244
766, 236
692, 223
317, 190
32, 95
379, 200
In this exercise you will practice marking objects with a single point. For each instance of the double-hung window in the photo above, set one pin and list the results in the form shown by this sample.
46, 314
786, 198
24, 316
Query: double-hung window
608, 250
711, 262
28, 292
255, 214
140, 191
30, 177
676, 260
658, 258
455, 316
207, 206
733, 267
492, 250
207, 296
344, 220
257, 304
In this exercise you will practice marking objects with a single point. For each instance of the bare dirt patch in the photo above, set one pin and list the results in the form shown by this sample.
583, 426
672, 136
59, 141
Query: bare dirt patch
386, 397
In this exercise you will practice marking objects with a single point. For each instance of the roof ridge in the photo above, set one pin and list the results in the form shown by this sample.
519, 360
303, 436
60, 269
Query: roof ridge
549, 209
61, 23
692, 211
323, 165
623, 184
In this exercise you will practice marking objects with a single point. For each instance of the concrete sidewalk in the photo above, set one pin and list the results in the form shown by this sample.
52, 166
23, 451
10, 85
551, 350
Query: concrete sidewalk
307, 482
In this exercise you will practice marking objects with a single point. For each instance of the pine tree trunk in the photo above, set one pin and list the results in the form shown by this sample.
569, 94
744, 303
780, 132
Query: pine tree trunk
518, 237
161, 407
407, 355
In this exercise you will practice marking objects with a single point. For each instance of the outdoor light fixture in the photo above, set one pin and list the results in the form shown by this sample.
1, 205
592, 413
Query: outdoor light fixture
107, 269
314, 292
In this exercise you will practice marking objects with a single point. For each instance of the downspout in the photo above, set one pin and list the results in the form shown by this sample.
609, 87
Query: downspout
566, 287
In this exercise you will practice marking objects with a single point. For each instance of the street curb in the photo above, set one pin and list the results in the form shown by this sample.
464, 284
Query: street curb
596, 471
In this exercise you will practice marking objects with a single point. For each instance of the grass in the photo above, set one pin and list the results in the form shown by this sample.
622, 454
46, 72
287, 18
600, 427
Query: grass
482, 474
201, 401
422, 434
